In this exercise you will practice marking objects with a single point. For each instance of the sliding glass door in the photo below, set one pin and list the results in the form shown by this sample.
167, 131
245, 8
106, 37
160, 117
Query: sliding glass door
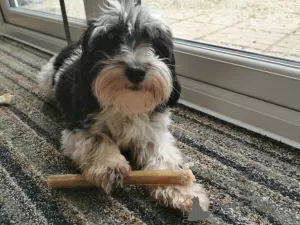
44, 16
270, 28
251, 47
74, 8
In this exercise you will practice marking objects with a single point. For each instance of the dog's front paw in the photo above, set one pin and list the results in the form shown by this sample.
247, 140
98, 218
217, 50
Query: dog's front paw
181, 197
108, 175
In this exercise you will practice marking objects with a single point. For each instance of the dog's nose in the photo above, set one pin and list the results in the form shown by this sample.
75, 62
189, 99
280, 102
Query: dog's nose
135, 74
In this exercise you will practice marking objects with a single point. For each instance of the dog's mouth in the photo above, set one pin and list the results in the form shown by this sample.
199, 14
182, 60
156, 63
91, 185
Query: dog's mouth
111, 88
134, 88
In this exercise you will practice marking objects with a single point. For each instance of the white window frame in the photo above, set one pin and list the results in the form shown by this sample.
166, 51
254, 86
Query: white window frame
257, 92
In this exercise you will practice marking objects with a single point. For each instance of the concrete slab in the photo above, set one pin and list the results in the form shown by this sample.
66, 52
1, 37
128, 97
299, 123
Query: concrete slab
273, 34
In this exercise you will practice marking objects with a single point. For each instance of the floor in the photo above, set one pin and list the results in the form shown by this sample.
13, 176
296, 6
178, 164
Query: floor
250, 179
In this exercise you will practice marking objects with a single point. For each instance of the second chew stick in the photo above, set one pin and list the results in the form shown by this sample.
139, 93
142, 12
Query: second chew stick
140, 177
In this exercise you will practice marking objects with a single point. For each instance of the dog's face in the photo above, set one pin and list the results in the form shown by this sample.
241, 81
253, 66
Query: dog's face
129, 54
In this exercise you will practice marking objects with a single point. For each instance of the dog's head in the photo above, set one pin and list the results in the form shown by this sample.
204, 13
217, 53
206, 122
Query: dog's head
128, 53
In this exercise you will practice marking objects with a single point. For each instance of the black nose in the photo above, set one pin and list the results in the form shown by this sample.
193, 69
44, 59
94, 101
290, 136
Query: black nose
135, 74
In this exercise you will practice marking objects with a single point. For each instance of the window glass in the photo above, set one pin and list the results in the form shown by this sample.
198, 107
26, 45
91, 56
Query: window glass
267, 27
74, 8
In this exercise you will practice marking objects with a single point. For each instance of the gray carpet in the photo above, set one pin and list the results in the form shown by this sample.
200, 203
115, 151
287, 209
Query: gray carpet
250, 179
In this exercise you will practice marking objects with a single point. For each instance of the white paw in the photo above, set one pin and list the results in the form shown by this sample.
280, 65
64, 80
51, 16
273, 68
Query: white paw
106, 176
180, 197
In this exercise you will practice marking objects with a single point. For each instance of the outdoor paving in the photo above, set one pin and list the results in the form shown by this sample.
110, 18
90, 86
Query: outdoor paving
273, 34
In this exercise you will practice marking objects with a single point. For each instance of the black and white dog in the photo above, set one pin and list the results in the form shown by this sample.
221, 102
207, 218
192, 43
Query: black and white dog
115, 87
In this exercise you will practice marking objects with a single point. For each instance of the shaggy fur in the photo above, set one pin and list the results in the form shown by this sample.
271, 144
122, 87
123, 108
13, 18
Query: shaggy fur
115, 87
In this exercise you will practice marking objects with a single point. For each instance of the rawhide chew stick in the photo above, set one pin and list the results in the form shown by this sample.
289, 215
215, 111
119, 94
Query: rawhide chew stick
6, 99
140, 177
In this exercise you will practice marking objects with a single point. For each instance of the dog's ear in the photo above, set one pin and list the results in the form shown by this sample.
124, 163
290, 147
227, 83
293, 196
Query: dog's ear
164, 47
176, 90
167, 36
86, 45
86, 36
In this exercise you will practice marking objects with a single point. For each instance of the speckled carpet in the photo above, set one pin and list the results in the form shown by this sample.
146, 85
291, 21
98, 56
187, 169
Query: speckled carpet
250, 179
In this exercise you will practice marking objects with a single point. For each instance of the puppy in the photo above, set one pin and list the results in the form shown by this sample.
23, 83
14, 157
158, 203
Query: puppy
115, 87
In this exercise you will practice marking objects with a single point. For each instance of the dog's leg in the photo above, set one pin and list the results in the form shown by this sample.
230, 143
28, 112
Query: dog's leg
165, 155
98, 157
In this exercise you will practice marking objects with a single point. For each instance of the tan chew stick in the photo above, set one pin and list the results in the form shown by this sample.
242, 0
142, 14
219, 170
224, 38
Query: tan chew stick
6, 99
140, 177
